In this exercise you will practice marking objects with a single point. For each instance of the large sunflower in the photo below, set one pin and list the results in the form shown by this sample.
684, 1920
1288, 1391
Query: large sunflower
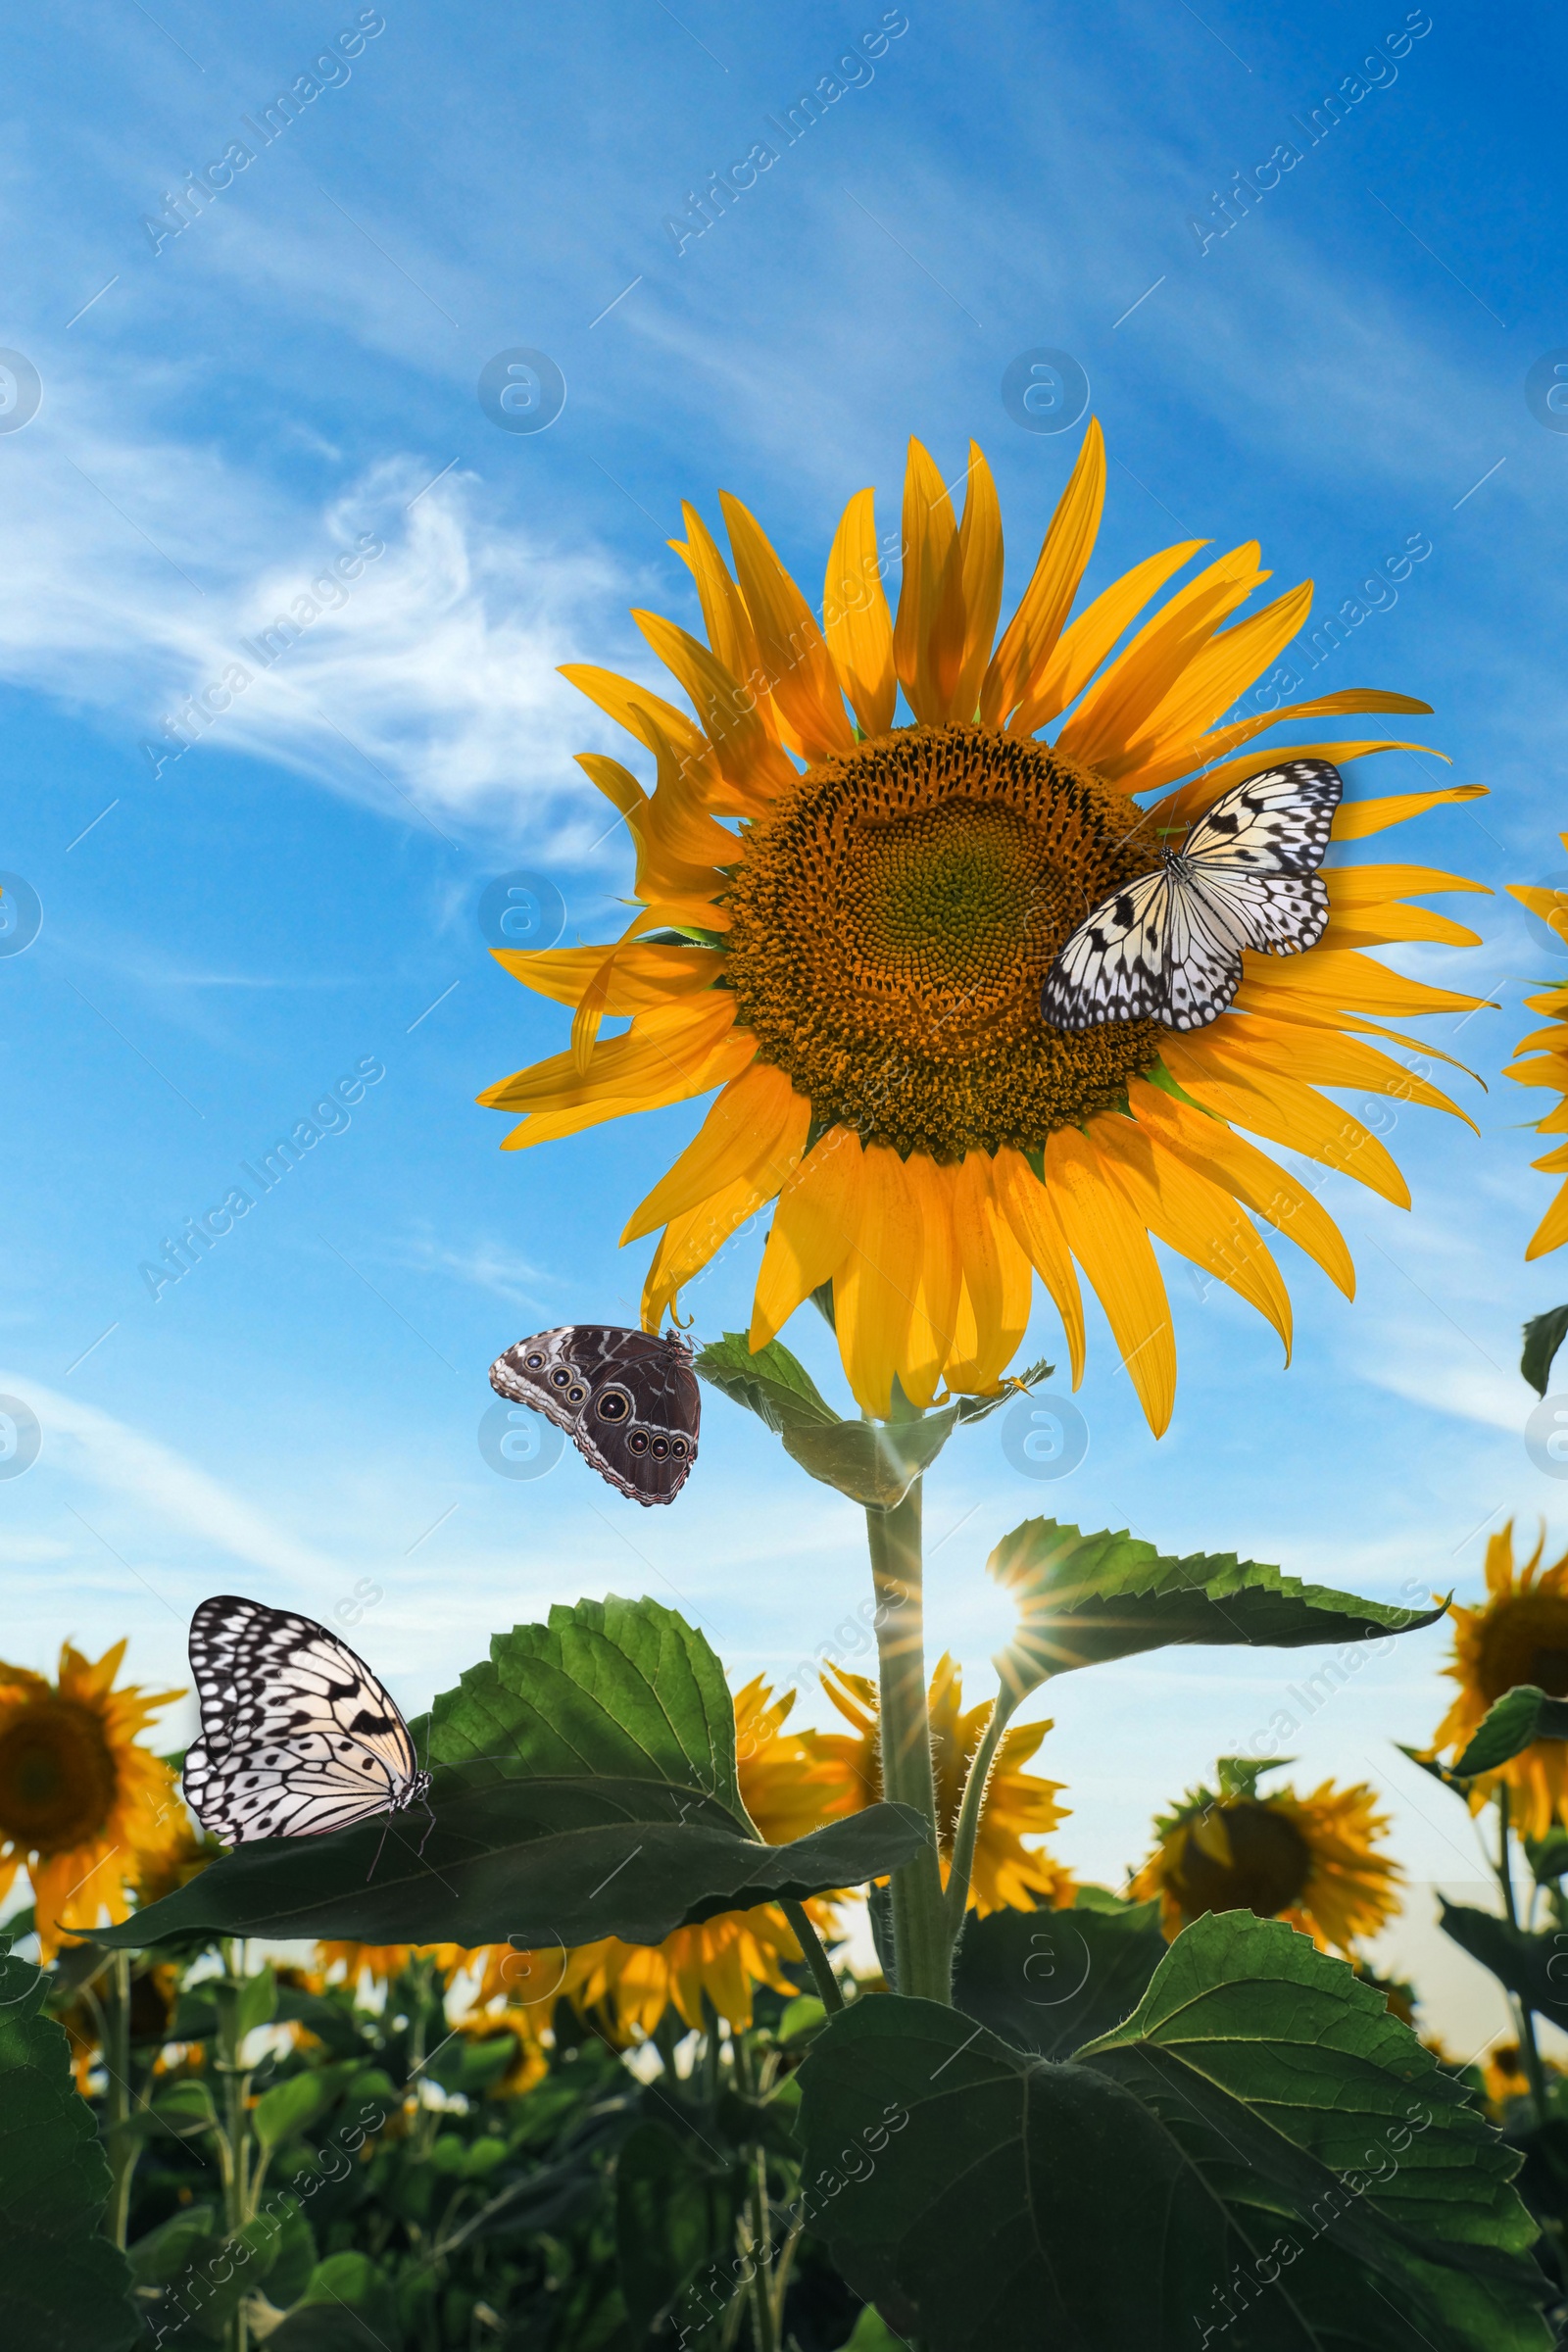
1310, 1860
1518, 1634
1006, 1875
788, 1790
1547, 1066
844, 925
84, 1809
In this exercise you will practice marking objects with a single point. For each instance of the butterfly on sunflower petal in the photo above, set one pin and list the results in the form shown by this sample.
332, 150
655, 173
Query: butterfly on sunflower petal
298, 1737
1168, 946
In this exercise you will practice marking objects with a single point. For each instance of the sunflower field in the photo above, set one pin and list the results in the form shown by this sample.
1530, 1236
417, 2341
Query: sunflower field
613, 2004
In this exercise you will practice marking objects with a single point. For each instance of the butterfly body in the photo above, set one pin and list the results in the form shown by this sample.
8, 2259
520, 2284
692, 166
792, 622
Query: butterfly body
627, 1399
1168, 947
298, 1737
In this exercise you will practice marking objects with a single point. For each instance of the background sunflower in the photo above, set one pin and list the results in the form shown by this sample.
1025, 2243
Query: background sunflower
1518, 1634
1311, 1860
1006, 1874
85, 1810
844, 924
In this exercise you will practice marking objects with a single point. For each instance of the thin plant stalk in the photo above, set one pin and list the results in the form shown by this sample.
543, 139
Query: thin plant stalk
124, 2147
921, 1943
1526, 2022
816, 1959
764, 2333
961, 1866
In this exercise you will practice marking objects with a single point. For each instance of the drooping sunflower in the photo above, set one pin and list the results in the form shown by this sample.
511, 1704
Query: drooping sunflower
382, 1963
1006, 1874
844, 924
788, 1790
1518, 1634
85, 1810
1547, 1065
1309, 1860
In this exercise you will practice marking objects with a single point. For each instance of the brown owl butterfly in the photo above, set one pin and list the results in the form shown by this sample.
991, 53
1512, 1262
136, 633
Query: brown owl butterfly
627, 1399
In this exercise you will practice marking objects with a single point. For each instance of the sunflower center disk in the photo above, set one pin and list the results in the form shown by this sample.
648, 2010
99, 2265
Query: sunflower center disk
895, 919
1268, 1868
57, 1778
1527, 1642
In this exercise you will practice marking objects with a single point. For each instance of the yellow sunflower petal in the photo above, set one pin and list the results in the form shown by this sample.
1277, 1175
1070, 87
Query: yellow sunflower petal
1116, 709
1081, 649
813, 1230
1189, 801
856, 620
1031, 1213
1552, 1231
873, 1288
1259, 1183
629, 704
1211, 681
662, 1046
980, 558
1355, 820
992, 1312
1283, 1110
1342, 976
1195, 1216
1030, 637
643, 975
690, 1239
934, 1317
757, 1130
1155, 769
750, 759
1110, 1243
797, 663
928, 632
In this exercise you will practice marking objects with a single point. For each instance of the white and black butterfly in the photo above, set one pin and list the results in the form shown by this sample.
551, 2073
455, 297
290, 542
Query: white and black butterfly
297, 1736
1168, 946
627, 1399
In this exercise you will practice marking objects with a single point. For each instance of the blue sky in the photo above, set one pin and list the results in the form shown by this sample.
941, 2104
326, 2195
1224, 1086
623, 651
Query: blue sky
293, 376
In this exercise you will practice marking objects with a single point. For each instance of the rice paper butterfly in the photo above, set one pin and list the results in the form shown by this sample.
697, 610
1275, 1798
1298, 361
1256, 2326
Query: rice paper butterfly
627, 1399
298, 1737
1168, 946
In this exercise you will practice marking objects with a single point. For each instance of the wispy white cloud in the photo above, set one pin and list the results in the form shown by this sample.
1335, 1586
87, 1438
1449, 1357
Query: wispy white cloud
135, 1469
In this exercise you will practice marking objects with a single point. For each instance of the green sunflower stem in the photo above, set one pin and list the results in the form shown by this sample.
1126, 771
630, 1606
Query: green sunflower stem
922, 1940
961, 1868
1527, 2021
816, 1959
122, 2148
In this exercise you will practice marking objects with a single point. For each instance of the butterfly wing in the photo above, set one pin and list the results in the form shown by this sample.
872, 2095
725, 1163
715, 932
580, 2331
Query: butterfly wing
627, 1399
1275, 823
1202, 957
298, 1735
1113, 968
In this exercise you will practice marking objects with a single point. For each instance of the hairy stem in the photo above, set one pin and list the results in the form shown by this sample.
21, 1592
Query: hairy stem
816, 1959
974, 1796
1526, 2022
921, 1943
124, 2147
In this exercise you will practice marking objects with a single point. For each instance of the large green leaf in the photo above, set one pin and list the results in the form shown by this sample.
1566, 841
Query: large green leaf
545, 1863
873, 1462
1259, 2128
1544, 1336
1085, 1598
1534, 1966
1513, 1723
1046, 1980
616, 1689
63, 2286
348, 2306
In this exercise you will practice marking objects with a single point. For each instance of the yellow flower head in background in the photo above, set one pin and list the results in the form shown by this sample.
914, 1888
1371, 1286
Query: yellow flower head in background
788, 1790
1019, 1804
1547, 1066
85, 1810
1518, 1634
844, 925
1310, 1860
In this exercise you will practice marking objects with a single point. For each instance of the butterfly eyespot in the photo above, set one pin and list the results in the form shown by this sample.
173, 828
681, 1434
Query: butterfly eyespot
533, 1362
678, 1449
613, 1405
575, 1393
661, 1446
637, 1442
560, 1377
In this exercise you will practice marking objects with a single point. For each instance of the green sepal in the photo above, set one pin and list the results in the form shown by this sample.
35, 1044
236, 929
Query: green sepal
1544, 1335
1513, 1723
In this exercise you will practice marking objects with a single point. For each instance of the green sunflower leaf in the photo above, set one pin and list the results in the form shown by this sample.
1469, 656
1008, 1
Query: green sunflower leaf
584, 1787
1535, 1966
61, 2283
1292, 2167
1513, 1723
348, 2306
1544, 1335
874, 1463
1085, 1598
773, 1384
1046, 1980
